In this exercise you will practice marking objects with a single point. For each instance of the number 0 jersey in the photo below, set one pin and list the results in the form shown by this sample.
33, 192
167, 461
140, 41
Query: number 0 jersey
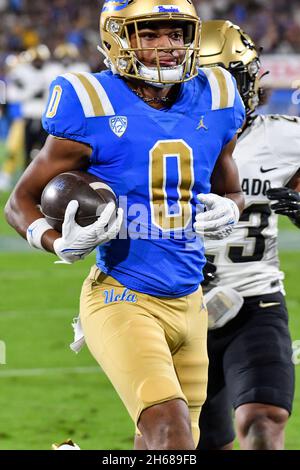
267, 155
156, 162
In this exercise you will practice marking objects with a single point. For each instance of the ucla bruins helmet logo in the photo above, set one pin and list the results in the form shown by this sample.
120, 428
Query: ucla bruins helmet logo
115, 5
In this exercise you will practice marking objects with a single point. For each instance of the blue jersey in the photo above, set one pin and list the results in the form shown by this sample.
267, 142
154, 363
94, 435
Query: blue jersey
156, 162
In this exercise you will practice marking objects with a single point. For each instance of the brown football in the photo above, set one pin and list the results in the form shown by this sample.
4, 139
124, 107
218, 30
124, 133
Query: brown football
92, 194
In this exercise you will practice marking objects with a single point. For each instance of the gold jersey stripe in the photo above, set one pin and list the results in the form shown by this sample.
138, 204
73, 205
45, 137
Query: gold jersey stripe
222, 86
93, 95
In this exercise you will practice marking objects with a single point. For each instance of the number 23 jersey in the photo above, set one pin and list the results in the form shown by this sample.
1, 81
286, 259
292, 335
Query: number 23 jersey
267, 155
156, 162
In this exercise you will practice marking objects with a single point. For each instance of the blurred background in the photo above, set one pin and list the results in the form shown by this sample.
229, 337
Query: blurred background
44, 39
48, 393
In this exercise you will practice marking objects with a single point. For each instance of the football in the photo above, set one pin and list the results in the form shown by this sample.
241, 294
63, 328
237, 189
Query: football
92, 194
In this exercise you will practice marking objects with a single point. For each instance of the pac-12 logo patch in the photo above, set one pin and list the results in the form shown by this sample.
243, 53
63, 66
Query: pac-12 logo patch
115, 5
118, 125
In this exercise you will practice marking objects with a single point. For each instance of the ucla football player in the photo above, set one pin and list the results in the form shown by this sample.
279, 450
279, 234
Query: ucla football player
251, 367
161, 134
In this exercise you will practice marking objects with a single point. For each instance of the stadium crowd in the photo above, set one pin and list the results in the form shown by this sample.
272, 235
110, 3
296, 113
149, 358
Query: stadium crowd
274, 23
65, 35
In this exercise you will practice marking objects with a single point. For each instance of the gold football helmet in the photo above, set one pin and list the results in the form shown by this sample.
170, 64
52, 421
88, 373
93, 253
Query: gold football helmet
226, 45
38, 53
119, 18
66, 50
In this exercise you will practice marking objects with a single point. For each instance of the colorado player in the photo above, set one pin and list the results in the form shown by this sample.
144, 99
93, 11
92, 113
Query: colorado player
28, 84
159, 134
250, 357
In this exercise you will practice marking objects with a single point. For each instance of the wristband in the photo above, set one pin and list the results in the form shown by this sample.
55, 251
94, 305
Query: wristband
35, 232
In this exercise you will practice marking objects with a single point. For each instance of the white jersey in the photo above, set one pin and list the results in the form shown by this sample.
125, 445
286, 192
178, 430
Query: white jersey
267, 155
29, 87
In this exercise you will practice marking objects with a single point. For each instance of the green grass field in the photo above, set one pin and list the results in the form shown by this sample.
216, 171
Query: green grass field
47, 392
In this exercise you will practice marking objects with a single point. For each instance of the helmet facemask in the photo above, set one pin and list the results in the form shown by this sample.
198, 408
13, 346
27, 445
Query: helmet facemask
125, 57
247, 78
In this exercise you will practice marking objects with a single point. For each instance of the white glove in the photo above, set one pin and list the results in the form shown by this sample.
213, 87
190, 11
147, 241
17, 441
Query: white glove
79, 340
77, 242
219, 219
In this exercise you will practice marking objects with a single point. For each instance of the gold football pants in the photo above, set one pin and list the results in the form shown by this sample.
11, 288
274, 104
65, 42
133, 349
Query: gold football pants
14, 148
152, 349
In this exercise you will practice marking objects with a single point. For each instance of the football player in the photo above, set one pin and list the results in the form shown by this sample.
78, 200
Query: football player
251, 369
161, 135
67, 59
14, 145
28, 85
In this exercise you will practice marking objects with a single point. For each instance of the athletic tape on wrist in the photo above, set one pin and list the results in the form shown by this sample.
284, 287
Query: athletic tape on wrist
35, 232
